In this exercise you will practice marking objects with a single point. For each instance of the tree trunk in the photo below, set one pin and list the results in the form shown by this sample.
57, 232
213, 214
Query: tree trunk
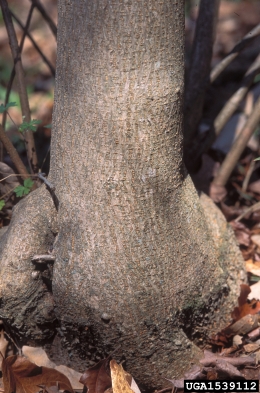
138, 264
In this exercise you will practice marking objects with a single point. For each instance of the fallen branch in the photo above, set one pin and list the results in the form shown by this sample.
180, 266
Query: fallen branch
246, 40
242, 361
229, 109
237, 148
248, 211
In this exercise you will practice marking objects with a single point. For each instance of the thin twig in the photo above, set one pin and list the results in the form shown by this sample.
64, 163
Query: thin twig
7, 193
246, 40
48, 184
13, 154
17, 174
237, 148
10, 338
45, 15
163, 390
44, 58
45, 158
11, 79
233, 103
229, 109
248, 175
29, 139
198, 77
250, 210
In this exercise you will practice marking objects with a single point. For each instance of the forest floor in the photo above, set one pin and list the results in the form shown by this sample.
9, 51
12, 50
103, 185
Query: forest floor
233, 353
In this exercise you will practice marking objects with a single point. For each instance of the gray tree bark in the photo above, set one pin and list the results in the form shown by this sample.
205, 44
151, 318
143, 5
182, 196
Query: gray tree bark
139, 262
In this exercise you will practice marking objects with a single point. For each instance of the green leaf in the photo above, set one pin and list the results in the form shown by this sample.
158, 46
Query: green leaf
8, 105
48, 126
2, 203
29, 126
19, 191
257, 159
28, 183
26, 190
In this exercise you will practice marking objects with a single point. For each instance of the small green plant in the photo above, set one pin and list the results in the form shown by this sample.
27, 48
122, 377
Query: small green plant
29, 126
2, 203
26, 125
4, 108
48, 126
21, 191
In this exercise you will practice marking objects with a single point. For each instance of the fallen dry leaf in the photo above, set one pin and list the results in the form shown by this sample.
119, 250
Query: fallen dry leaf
22, 376
72, 375
256, 240
255, 291
245, 307
177, 383
234, 348
237, 340
97, 378
253, 267
3, 346
252, 307
251, 347
193, 373
133, 385
242, 326
38, 356
255, 334
119, 382
257, 357
244, 292
242, 233
225, 370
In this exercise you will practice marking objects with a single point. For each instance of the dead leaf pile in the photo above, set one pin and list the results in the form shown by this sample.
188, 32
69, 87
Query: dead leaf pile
20, 375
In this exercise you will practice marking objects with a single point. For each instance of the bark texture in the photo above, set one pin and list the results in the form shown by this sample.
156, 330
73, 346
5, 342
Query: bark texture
137, 263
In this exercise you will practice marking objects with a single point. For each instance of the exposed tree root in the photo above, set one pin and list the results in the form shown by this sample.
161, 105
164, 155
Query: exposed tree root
26, 301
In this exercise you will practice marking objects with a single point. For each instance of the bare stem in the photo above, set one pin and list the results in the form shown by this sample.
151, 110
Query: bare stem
16, 174
11, 79
26, 33
47, 183
246, 40
248, 211
248, 175
29, 139
45, 15
198, 78
13, 154
233, 103
237, 148
229, 108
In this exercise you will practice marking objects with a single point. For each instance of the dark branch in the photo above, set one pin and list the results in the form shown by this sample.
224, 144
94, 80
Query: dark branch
45, 15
